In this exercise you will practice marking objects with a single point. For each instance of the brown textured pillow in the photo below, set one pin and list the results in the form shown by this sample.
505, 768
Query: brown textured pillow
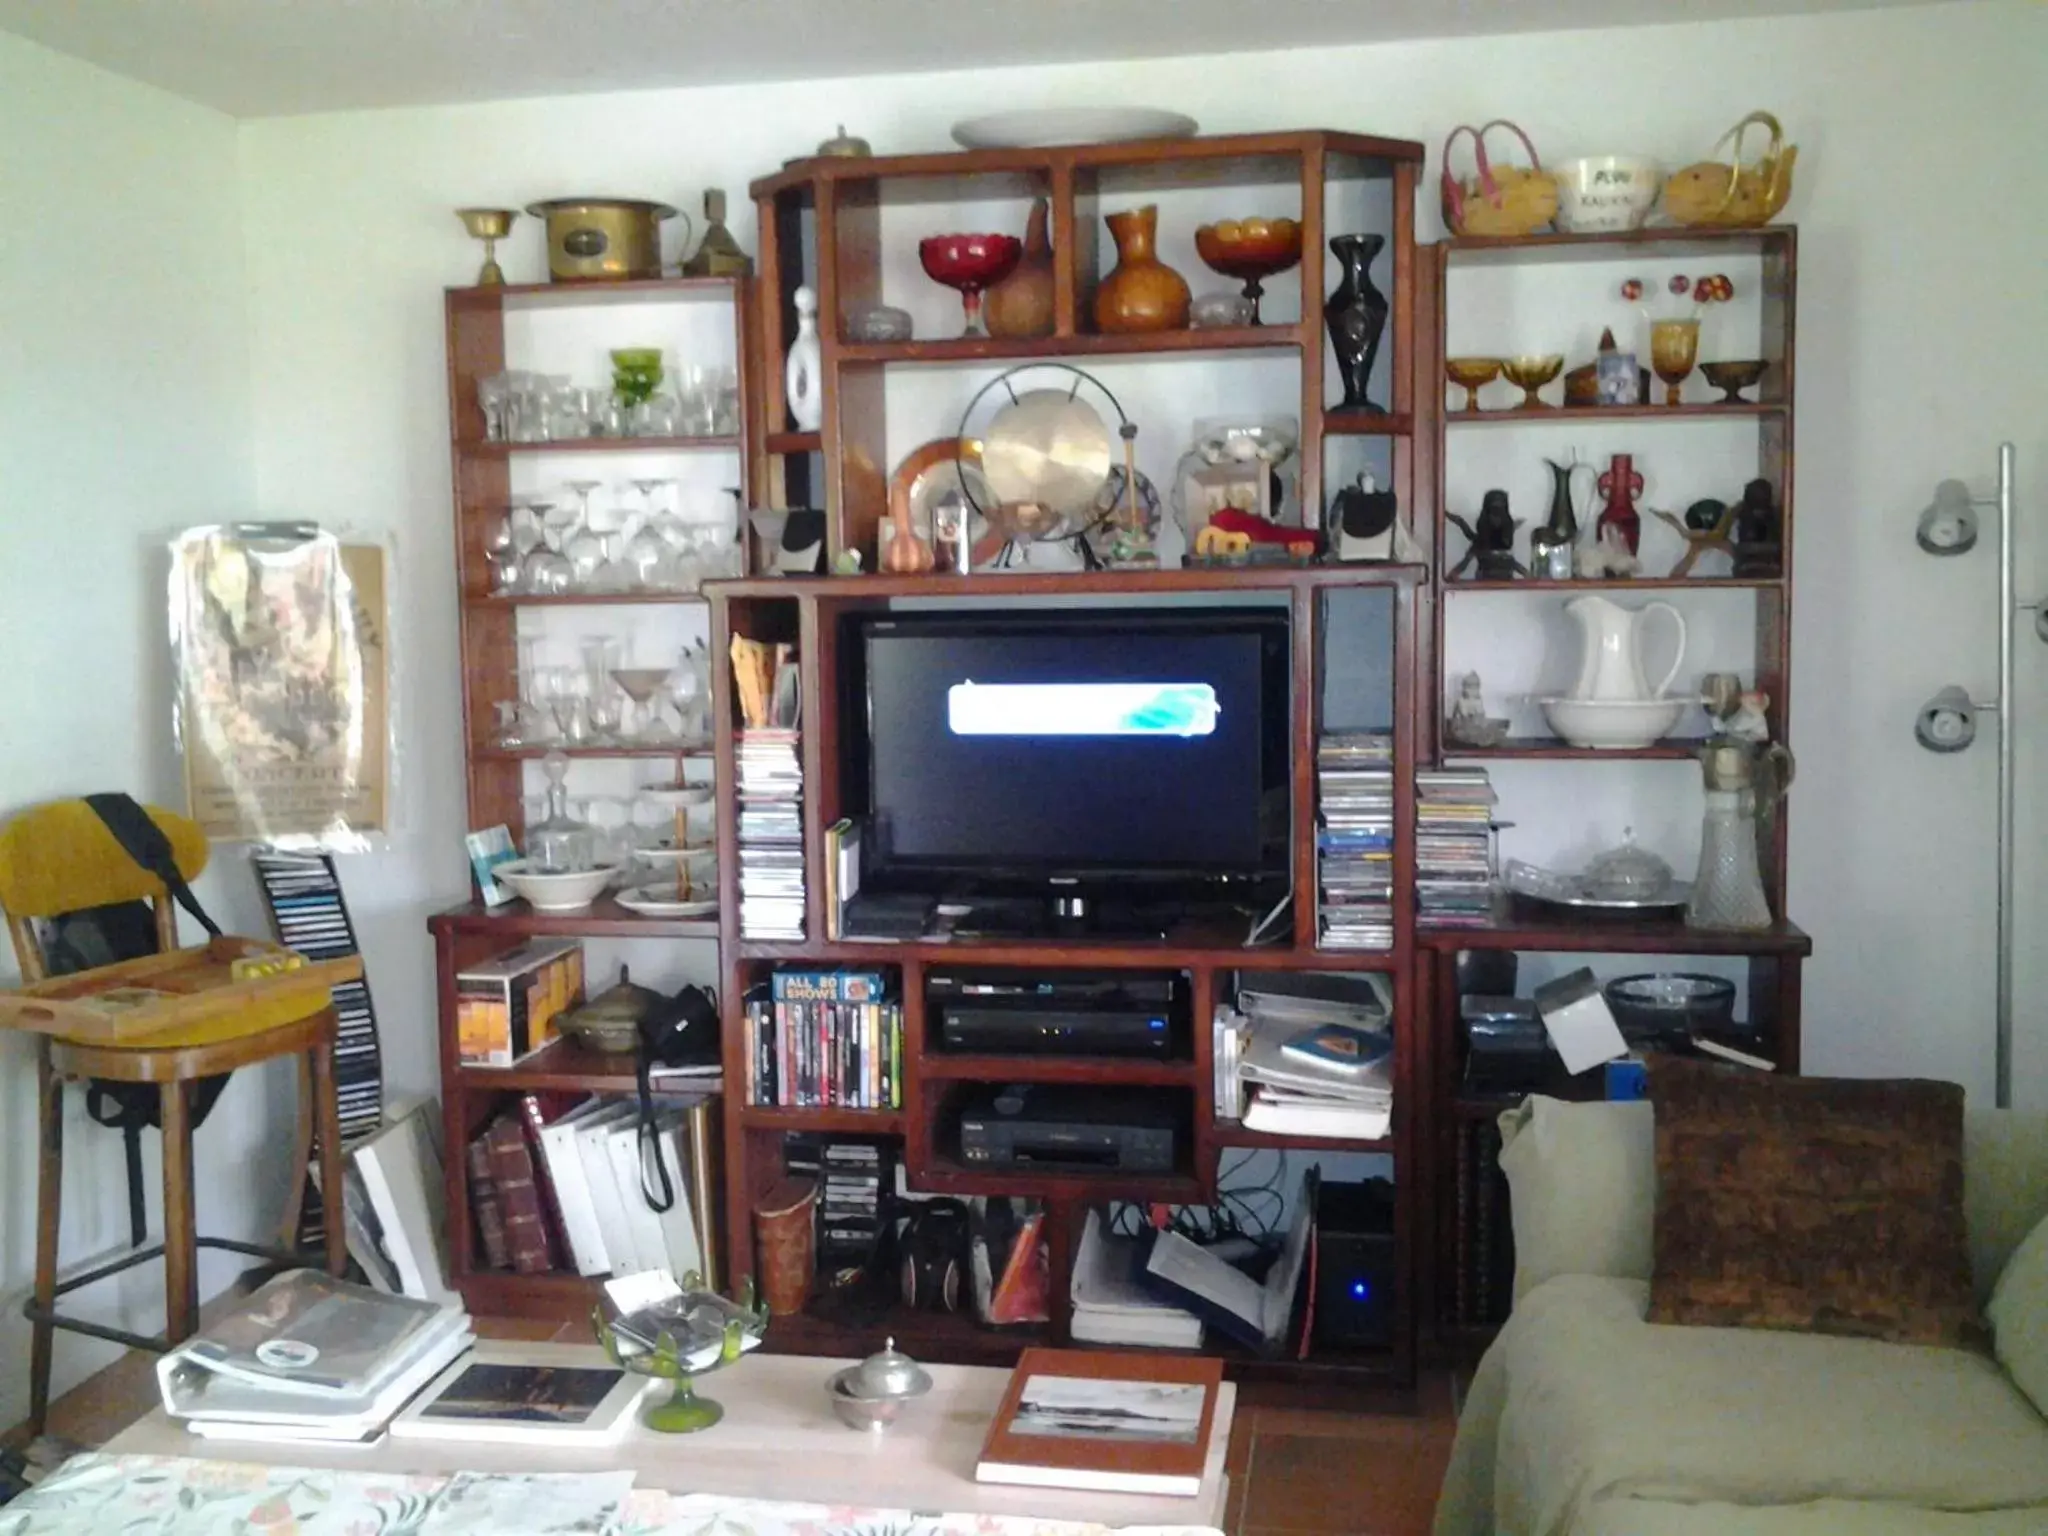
1826, 1205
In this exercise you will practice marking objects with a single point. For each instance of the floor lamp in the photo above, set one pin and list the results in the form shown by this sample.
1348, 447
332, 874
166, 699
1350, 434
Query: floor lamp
1947, 722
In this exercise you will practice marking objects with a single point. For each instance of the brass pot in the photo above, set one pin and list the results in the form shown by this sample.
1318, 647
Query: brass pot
602, 239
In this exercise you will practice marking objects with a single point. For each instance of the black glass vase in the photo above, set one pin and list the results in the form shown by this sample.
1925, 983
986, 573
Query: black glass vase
1356, 315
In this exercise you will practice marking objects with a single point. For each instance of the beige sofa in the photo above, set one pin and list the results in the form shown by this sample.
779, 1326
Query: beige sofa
1583, 1418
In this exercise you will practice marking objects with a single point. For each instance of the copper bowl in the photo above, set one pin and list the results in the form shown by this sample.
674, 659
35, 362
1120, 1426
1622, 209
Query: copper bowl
969, 262
1733, 378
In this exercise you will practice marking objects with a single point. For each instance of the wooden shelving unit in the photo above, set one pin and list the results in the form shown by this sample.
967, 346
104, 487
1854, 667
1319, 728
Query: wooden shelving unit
1772, 987
489, 627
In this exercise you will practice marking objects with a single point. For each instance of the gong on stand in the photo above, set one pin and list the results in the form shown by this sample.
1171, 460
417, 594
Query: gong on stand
1046, 456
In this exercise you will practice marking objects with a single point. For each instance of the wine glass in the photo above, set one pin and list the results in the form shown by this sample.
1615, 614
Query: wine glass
584, 547
1674, 348
601, 656
510, 729
493, 390
544, 570
501, 555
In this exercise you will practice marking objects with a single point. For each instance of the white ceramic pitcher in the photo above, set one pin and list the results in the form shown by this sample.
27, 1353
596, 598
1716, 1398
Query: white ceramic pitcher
1611, 664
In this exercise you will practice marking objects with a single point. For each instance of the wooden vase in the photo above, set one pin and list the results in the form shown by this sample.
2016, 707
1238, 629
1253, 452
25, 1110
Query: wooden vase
1021, 304
1141, 293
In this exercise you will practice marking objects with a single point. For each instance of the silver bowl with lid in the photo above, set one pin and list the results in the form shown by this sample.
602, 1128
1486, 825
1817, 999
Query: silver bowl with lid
871, 1394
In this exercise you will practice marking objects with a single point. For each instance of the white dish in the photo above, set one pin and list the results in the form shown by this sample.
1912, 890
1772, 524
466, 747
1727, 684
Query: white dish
660, 901
677, 794
668, 853
1614, 725
1598, 194
1042, 127
555, 893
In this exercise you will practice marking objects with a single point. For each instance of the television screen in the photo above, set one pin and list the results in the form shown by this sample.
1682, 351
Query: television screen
1150, 742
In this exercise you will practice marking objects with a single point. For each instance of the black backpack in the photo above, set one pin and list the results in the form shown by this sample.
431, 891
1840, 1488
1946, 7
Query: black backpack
126, 930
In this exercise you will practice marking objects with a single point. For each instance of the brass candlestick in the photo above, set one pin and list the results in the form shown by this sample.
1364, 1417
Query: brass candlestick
489, 225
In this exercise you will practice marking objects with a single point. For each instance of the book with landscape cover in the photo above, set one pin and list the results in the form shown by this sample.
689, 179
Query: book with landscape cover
510, 1393
1122, 1423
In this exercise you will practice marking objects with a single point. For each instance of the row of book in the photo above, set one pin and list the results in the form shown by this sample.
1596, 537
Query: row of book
771, 834
1454, 847
1355, 840
559, 1184
824, 1039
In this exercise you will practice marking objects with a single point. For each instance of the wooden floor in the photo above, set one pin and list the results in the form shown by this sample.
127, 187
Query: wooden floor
1294, 1472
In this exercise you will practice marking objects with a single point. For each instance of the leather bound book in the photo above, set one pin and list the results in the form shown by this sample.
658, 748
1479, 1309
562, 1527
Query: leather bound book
1095, 1419
526, 1225
485, 1213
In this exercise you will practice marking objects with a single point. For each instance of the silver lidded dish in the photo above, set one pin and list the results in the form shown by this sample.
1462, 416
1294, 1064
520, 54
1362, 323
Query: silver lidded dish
871, 1395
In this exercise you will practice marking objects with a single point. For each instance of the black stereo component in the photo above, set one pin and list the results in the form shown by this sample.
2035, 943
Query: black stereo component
1354, 1276
1061, 1129
1069, 1013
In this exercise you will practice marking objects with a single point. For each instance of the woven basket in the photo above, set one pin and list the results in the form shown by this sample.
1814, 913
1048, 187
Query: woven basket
1497, 200
1727, 194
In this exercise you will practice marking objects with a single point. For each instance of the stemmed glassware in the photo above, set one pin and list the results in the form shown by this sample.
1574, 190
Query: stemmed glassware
493, 395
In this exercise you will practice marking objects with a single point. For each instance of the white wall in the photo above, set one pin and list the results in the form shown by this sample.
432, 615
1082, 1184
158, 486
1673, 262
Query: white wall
1921, 305
124, 416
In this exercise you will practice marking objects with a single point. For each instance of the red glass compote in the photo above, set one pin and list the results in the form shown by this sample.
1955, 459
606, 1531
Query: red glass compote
970, 263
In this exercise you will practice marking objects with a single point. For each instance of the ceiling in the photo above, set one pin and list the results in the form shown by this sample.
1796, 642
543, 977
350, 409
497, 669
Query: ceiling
263, 58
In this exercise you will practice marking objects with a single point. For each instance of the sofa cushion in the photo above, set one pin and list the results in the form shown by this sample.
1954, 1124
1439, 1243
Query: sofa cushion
2005, 1185
1831, 1205
1600, 1405
2018, 1315
1583, 1185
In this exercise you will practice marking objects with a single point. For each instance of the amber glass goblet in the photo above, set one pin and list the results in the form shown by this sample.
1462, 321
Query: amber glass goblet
1674, 348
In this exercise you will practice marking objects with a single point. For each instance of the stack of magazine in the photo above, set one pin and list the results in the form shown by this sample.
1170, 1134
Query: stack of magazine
310, 1358
1454, 866
1316, 1054
1355, 840
771, 835
1112, 1302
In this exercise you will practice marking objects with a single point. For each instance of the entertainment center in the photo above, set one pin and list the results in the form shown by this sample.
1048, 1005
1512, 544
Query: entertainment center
1084, 797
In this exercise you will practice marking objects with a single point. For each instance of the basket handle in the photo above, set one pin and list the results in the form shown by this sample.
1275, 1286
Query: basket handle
1772, 154
1535, 160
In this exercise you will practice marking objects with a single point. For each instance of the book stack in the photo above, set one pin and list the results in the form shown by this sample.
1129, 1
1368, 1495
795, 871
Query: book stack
771, 835
1355, 840
1317, 1056
1454, 851
310, 1358
1112, 1302
824, 1039
562, 1185
851, 1177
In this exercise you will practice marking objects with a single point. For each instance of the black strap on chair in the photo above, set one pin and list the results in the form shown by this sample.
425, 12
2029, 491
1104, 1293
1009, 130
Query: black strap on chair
125, 931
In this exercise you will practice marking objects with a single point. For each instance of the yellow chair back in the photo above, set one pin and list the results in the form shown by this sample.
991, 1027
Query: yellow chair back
60, 857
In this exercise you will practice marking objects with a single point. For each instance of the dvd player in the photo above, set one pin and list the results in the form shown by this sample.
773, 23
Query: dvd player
1060, 1129
1018, 1013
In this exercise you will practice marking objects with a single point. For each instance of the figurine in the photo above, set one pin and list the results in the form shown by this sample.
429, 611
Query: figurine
1748, 723
1468, 723
1621, 483
1363, 521
718, 254
1705, 528
1493, 540
1608, 557
1758, 535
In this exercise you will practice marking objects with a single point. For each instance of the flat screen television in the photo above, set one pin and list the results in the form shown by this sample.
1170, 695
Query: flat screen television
1039, 748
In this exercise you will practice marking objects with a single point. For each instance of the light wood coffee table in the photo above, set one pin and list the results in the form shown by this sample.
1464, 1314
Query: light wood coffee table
778, 1440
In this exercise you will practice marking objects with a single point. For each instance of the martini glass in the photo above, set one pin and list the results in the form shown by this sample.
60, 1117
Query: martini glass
644, 686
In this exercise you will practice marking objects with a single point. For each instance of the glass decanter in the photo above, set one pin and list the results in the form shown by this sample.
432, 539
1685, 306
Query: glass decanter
559, 843
1743, 784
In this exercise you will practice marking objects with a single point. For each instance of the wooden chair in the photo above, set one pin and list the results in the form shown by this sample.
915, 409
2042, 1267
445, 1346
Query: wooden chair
59, 858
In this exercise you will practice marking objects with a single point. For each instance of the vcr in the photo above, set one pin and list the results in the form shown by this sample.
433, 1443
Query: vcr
1068, 1013
1063, 1129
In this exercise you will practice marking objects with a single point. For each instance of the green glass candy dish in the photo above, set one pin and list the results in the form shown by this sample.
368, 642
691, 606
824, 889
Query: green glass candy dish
680, 1340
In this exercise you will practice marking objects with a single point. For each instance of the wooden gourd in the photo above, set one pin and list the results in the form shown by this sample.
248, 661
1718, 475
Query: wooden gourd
1021, 304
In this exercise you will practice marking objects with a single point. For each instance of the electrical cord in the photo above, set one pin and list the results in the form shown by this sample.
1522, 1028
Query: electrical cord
1251, 1211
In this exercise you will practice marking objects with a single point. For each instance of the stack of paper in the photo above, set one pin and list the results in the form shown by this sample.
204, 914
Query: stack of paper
771, 835
1454, 864
309, 1357
1355, 840
1112, 1305
1317, 1054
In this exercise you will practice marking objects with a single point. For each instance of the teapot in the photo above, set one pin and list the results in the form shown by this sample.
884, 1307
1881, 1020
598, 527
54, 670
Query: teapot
1611, 664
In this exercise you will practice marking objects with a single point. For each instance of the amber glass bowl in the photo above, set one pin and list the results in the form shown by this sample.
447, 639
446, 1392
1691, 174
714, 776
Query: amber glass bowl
1732, 378
1471, 374
1531, 373
1250, 250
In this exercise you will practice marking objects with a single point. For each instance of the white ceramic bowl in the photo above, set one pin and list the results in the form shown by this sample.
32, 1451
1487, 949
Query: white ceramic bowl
1612, 725
1600, 193
555, 893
